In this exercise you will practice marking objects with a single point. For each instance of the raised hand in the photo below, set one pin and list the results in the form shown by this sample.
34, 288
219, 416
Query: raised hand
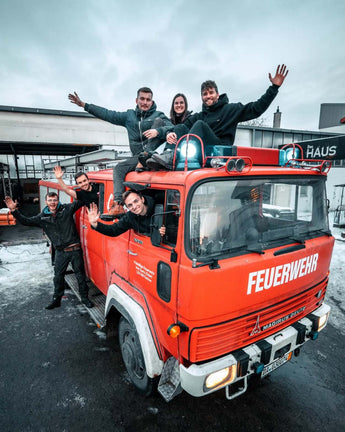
74, 98
10, 203
280, 75
58, 172
93, 214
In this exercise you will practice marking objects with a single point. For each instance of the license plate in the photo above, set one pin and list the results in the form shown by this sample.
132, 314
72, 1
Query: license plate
275, 364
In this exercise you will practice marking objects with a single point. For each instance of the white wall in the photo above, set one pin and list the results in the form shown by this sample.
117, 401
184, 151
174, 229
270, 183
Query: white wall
42, 128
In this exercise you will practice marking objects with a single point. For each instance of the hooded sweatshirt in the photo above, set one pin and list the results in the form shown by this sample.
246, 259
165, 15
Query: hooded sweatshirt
140, 224
223, 117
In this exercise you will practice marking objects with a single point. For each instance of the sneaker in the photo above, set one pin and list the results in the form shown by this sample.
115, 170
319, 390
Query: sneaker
143, 156
116, 209
165, 159
153, 165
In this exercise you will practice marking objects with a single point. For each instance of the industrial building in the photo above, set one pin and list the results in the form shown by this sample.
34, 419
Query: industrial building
33, 140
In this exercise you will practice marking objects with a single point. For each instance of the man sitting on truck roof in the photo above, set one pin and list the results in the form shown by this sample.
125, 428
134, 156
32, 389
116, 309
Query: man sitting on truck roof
144, 126
57, 222
141, 209
89, 192
217, 122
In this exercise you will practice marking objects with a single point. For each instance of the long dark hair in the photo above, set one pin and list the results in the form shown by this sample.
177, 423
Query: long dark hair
173, 117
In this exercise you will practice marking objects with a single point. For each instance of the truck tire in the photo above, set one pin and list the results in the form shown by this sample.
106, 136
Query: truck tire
133, 358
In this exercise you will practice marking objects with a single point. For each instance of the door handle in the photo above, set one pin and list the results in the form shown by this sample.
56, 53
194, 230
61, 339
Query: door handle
84, 226
131, 253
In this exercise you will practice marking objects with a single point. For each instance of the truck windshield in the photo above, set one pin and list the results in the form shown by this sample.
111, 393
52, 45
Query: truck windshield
235, 216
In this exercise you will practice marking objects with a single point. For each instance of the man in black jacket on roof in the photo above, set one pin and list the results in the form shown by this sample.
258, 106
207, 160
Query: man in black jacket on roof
57, 222
217, 122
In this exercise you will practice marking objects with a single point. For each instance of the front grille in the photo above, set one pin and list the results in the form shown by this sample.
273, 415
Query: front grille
217, 340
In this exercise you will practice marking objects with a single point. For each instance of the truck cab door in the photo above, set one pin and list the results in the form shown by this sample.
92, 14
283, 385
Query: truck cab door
155, 277
93, 247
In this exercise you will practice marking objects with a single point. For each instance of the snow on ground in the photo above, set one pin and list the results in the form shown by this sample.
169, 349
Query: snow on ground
25, 273
21, 267
27, 265
335, 296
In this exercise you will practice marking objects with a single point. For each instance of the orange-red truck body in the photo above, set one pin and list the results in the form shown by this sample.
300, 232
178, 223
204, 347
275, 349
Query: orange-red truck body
229, 303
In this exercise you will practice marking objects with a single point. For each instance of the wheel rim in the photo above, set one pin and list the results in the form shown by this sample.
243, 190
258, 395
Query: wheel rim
131, 354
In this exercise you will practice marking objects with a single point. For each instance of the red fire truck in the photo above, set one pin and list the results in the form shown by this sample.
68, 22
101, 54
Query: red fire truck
237, 284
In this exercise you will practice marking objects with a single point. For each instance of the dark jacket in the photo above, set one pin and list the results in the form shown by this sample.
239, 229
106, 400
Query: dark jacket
223, 117
140, 224
162, 131
135, 121
59, 227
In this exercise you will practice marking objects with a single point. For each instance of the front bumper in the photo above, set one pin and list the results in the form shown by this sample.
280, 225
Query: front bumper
251, 359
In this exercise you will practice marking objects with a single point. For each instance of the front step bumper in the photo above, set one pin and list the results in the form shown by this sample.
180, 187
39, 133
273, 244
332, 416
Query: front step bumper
253, 358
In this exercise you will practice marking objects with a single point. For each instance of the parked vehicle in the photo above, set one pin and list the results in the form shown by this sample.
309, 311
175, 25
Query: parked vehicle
237, 284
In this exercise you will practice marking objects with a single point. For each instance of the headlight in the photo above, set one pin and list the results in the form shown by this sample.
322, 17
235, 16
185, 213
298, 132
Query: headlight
221, 377
323, 321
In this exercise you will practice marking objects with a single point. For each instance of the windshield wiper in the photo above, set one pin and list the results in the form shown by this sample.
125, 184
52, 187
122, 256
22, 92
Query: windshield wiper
322, 231
297, 239
255, 248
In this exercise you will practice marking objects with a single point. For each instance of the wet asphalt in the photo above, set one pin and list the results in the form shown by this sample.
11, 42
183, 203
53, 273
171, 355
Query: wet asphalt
59, 372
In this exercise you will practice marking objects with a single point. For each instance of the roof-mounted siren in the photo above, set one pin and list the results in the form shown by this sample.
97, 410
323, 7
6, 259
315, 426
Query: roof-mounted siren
290, 152
292, 155
189, 153
233, 165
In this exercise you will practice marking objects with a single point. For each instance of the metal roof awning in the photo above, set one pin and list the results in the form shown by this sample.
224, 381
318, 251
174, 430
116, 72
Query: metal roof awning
41, 148
91, 158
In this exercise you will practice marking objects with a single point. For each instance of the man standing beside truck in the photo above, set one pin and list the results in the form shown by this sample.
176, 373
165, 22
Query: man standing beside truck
143, 128
57, 222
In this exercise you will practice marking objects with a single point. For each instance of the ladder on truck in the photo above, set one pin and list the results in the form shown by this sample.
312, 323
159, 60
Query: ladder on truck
95, 295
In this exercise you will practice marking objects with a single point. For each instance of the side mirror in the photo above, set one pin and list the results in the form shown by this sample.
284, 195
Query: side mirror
156, 223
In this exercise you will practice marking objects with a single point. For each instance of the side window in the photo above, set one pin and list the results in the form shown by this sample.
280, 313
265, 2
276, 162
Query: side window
100, 203
172, 208
96, 195
63, 197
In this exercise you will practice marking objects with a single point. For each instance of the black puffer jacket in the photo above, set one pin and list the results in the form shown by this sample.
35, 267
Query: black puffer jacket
135, 121
140, 224
223, 117
59, 227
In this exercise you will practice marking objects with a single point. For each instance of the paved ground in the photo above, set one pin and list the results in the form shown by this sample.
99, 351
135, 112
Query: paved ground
58, 372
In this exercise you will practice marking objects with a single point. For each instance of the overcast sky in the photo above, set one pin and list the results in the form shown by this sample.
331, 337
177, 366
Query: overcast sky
106, 49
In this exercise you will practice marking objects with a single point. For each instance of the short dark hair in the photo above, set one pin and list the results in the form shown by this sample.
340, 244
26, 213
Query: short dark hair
51, 194
209, 84
126, 194
79, 174
144, 90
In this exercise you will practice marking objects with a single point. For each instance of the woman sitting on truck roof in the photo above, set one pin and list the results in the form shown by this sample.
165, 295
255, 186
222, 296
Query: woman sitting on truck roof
178, 115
